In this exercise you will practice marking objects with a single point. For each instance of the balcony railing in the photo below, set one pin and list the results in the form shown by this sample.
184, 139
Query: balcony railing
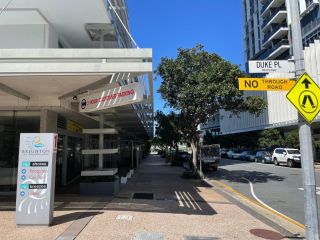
310, 26
265, 6
268, 52
308, 3
274, 30
276, 11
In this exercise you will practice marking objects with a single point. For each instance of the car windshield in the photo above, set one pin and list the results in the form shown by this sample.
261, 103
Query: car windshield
293, 151
268, 154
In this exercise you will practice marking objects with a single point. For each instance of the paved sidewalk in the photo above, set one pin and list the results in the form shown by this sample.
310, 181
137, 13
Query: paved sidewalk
179, 209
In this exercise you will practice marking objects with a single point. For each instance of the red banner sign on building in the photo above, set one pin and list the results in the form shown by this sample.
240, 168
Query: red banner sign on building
115, 97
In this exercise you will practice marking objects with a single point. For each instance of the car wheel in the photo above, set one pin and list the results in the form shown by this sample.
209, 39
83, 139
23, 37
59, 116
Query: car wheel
290, 163
275, 162
263, 161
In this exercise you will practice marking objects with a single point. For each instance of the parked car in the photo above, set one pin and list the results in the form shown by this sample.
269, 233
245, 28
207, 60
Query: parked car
209, 156
247, 156
263, 157
235, 154
229, 153
223, 152
180, 157
288, 156
183, 156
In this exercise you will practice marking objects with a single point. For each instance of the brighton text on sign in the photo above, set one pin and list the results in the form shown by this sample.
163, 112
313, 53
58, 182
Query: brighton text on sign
265, 84
271, 66
104, 99
305, 97
36, 178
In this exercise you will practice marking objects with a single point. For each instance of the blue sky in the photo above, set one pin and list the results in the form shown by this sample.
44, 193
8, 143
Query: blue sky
165, 25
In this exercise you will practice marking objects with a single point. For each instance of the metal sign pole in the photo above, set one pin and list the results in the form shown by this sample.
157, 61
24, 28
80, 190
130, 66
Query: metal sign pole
307, 161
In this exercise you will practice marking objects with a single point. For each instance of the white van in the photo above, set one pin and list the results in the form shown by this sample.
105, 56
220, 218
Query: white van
288, 156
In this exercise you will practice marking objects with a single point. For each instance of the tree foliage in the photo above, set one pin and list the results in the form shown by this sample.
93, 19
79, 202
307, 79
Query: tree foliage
291, 140
270, 138
198, 84
167, 129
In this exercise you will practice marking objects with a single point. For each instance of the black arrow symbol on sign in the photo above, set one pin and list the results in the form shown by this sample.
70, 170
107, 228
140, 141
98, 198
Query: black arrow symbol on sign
307, 97
306, 83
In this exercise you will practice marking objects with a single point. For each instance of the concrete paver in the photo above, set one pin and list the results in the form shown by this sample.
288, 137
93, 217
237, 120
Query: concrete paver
68, 210
180, 209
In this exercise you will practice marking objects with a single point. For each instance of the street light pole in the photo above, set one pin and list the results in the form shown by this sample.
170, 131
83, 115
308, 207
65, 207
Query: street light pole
305, 137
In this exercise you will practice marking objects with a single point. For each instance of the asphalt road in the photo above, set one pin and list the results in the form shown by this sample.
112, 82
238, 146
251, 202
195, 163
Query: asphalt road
279, 187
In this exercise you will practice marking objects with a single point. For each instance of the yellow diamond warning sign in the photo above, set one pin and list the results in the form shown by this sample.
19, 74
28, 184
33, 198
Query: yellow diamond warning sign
305, 96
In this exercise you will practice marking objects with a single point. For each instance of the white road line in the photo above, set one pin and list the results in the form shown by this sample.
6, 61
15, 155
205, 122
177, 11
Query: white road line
189, 200
195, 202
318, 190
184, 200
179, 200
260, 201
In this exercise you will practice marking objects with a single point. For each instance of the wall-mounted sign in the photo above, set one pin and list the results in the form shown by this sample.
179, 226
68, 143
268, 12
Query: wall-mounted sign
104, 99
271, 66
36, 178
74, 127
305, 97
265, 84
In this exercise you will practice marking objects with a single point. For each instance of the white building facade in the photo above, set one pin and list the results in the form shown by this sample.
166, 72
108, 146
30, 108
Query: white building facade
52, 54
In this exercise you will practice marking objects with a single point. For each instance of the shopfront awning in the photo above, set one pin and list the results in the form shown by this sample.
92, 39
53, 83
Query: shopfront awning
55, 77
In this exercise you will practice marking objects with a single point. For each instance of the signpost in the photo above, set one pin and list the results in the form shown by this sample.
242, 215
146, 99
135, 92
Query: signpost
271, 66
305, 97
307, 160
36, 178
104, 99
265, 84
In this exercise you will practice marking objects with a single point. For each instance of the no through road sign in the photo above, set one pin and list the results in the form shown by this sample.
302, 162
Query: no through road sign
265, 84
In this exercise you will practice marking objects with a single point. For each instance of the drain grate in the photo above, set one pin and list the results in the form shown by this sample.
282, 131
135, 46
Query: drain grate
266, 234
148, 196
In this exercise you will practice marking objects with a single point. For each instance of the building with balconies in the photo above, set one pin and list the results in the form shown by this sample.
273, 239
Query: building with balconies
310, 21
272, 42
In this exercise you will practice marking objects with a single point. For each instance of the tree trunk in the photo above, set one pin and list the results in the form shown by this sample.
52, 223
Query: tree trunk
194, 147
176, 148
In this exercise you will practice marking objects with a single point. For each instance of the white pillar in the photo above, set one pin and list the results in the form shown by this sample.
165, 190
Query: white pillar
101, 141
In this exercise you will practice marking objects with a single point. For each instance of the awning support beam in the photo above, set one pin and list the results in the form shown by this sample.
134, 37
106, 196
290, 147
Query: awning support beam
13, 92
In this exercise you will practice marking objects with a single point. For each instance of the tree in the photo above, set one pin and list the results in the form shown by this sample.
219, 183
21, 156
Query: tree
270, 138
292, 139
167, 129
198, 84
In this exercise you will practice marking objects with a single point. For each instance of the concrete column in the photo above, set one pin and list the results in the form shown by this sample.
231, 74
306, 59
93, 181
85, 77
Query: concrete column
132, 157
48, 121
101, 141
65, 161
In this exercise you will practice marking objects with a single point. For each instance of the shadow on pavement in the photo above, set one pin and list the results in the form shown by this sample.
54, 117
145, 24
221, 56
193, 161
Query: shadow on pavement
70, 217
171, 194
239, 175
229, 162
